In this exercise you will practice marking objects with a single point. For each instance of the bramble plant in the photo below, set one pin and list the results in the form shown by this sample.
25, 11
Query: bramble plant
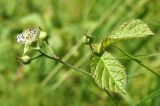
108, 73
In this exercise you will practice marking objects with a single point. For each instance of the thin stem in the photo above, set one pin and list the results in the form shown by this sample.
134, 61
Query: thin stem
58, 66
49, 47
36, 57
69, 72
146, 56
61, 61
91, 48
141, 56
137, 61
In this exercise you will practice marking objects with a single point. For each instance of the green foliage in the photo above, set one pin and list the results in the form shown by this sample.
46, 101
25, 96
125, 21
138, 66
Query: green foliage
131, 29
47, 83
109, 73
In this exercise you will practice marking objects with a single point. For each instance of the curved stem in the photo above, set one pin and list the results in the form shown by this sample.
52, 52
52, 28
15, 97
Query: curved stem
137, 61
61, 61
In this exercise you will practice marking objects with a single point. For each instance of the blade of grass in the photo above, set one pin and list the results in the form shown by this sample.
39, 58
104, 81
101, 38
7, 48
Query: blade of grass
152, 95
105, 17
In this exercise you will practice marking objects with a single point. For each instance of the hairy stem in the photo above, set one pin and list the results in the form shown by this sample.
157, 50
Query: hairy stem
138, 61
61, 61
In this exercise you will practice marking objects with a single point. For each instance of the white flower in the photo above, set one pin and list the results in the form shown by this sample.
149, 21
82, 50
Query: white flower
28, 36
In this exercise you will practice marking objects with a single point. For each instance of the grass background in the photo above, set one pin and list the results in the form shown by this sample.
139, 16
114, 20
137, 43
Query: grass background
48, 83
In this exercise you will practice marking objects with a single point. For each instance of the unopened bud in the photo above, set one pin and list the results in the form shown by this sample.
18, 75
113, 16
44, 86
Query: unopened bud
25, 59
43, 35
87, 39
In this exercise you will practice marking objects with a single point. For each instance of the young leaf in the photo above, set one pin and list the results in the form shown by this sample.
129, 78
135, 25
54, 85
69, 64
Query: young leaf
108, 73
130, 29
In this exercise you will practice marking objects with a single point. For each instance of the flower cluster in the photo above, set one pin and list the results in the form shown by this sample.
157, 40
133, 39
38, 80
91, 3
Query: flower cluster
28, 37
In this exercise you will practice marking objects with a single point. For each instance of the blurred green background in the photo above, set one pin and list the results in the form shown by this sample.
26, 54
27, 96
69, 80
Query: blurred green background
48, 83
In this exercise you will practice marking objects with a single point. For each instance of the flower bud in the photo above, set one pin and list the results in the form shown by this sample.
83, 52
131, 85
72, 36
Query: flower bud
87, 39
43, 35
25, 59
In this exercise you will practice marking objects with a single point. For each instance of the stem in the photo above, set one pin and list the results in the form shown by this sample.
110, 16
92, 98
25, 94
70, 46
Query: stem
36, 57
137, 61
91, 48
61, 61
58, 66
140, 56
69, 72
49, 47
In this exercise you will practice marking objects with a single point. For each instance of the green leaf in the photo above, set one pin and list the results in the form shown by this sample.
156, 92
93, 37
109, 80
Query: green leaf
108, 73
130, 29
